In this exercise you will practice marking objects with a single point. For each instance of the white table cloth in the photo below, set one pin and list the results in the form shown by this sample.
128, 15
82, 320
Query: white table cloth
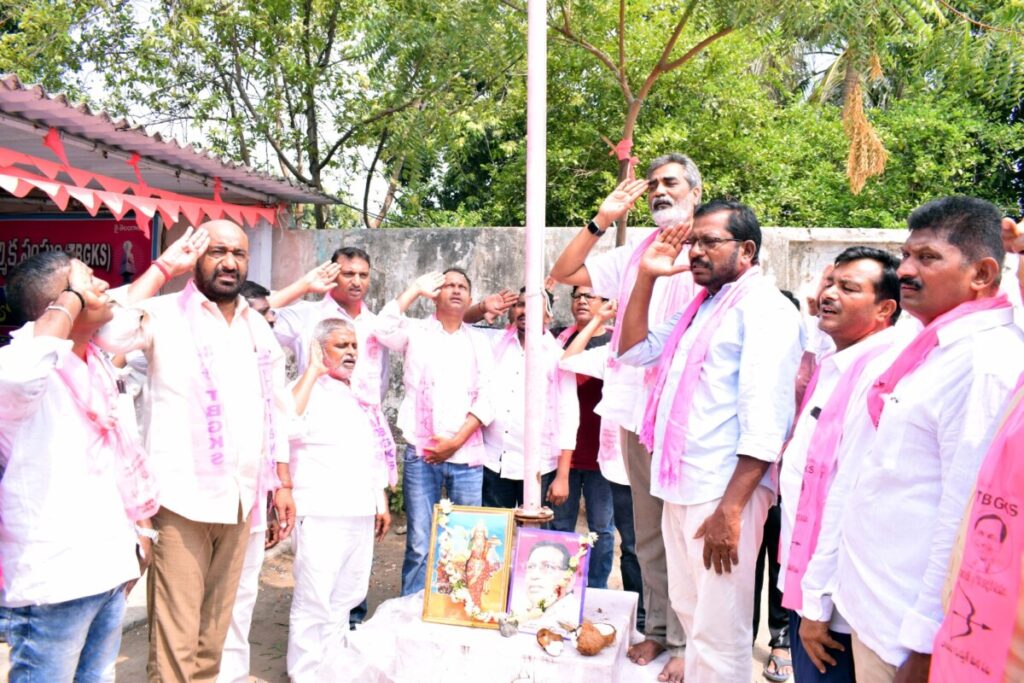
397, 646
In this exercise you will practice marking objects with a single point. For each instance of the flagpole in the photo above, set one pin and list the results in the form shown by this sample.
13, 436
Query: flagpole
536, 181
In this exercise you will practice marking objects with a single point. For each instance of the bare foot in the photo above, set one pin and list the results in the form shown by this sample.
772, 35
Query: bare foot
673, 671
644, 652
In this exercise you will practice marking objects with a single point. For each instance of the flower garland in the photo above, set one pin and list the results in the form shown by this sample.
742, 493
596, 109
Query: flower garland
460, 589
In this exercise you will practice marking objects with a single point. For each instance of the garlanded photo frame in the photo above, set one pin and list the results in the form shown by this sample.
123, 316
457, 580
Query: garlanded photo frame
468, 565
549, 579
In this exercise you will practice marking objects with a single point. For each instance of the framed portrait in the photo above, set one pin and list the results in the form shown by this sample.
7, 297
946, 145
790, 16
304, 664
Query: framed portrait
468, 565
549, 579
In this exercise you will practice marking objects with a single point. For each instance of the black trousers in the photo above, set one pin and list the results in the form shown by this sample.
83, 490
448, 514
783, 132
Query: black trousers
778, 616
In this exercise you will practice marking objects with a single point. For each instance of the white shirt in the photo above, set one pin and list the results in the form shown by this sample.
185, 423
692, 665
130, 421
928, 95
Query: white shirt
454, 358
794, 461
743, 403
64, 533
505, 435
624, 395
334, 461
174, 429
594, 363
294, 329
891, 519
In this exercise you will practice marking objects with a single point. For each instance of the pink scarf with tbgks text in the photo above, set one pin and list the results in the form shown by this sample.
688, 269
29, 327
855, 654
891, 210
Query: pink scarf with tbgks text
210, 401
920, 347
674, 446
973, 643
822, 454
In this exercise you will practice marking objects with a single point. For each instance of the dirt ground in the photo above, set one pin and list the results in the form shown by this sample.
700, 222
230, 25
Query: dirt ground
269, 633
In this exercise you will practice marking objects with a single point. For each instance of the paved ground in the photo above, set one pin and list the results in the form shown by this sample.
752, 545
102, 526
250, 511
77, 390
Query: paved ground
270, 622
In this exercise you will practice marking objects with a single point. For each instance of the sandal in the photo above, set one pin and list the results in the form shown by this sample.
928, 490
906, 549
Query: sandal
777, 662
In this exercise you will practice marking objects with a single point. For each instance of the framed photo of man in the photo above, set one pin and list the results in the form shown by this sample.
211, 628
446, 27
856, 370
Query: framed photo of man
468, 565
549, 579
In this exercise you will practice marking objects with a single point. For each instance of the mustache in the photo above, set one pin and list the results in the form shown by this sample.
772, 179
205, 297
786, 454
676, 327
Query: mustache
908, 281
700, 262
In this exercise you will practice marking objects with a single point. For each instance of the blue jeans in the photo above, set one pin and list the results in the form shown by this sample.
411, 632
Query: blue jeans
421, 486
508, 493
75, 640
632, 579
597, 492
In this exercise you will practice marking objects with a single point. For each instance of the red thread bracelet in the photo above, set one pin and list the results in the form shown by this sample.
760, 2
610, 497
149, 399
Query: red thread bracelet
163, 270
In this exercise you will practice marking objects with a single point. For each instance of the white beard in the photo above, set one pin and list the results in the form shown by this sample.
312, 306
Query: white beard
673, 215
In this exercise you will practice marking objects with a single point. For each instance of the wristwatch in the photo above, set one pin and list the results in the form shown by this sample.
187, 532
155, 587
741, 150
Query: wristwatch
594, 230
144, 532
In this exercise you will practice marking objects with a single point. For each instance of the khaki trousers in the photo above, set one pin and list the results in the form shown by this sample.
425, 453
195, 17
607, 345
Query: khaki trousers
717, 610
662, 625
868, 666
191, 591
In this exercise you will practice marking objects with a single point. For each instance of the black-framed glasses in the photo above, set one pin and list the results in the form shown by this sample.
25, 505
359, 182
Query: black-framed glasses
588, 297
708, 243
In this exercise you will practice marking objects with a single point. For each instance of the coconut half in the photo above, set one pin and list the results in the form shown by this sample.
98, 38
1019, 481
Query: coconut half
550, 642
591, 638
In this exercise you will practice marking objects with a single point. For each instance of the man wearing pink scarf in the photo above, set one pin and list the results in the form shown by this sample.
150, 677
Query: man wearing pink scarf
673, 187
890, 521
719, 410
214, 426
76, 476
857, 306
448, 381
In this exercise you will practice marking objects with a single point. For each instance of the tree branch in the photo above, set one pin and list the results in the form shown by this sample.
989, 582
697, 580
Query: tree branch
369, 178
325, 56
622, 38
247, 103
696, 49
565, 30
659, 68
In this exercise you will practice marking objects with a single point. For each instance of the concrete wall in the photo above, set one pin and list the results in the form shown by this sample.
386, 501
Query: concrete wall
494, 257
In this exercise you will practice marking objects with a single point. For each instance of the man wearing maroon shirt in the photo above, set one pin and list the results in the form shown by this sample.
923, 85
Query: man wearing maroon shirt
608, 504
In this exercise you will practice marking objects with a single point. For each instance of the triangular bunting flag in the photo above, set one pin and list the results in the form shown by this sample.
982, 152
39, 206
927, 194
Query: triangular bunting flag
193, 213
113, 184
15, 185
114, 202
169, 211
49, 169
213, 210
87, 197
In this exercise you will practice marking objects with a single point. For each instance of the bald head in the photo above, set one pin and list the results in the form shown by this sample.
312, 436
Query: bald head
222, 269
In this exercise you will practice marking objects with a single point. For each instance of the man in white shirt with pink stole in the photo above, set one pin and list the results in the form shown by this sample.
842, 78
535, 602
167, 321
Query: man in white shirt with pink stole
447, 379
673, 186
214, 428
339, 473
69, 443
719, 411
504, 436
858, 305
891, 519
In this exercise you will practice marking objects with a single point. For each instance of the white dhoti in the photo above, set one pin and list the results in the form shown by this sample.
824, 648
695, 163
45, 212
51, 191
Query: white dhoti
234, 662
716, 610
333, 559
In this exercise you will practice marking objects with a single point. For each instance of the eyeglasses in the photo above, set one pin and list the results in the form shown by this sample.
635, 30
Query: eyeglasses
588, 297
544, 567
708, 243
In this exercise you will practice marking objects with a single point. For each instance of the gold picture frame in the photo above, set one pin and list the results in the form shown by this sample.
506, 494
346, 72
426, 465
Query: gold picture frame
468, 564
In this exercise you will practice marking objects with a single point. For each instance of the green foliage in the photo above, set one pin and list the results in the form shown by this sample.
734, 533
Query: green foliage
306, 87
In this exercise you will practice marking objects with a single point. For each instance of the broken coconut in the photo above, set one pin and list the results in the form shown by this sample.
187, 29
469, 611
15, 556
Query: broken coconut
550, 642
591, 638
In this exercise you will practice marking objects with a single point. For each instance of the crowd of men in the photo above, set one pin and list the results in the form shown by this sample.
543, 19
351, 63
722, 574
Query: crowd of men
683, 399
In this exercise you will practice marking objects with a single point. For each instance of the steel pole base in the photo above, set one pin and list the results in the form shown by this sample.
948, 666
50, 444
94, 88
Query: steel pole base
534, 518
